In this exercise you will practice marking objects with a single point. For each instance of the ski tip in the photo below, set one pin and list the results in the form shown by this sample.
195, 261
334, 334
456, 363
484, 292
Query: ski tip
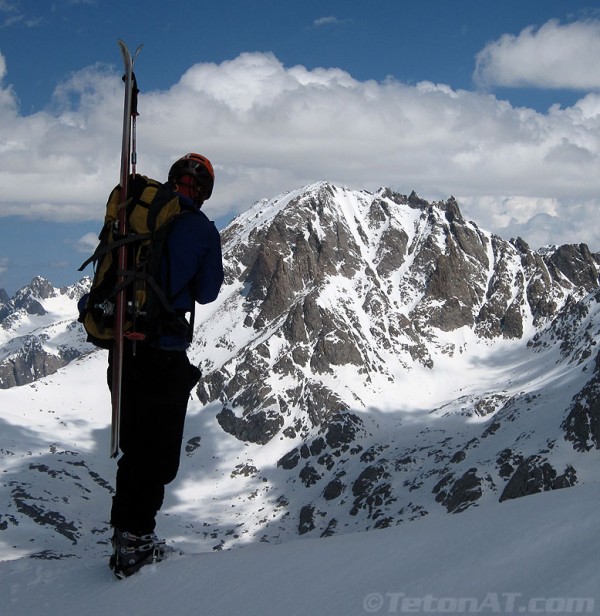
125, 49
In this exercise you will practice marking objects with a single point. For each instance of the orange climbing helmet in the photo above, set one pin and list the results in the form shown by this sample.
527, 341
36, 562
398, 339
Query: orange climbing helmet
196, 166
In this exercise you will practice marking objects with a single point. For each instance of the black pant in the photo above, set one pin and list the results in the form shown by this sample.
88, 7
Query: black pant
155, 392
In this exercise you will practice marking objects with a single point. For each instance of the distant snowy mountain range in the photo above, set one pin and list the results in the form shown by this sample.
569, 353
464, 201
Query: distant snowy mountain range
372, 359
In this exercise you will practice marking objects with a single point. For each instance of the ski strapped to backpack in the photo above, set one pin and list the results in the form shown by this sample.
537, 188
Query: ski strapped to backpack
150, 210
128, 162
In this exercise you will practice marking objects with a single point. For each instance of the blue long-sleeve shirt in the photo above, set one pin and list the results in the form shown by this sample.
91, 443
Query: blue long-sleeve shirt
192, 267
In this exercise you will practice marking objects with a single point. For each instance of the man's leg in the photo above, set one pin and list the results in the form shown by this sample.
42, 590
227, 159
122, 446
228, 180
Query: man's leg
155, 396
155, 391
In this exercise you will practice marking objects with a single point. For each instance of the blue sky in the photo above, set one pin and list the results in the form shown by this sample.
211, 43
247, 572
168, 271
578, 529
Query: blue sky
494, 102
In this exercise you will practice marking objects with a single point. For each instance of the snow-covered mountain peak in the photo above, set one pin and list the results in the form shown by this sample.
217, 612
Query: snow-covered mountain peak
342, 305
372, 358
38, 331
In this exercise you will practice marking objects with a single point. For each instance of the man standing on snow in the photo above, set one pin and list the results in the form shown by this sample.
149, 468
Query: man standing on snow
158, 377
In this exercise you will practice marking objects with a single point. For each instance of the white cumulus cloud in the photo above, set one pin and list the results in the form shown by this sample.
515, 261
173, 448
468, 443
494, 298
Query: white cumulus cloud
87, 243
553, 56
269, 128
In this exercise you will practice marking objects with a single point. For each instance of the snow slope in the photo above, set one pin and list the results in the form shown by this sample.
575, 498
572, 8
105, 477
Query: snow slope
533, 555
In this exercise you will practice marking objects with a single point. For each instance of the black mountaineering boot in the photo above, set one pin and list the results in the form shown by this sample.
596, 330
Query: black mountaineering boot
131, 552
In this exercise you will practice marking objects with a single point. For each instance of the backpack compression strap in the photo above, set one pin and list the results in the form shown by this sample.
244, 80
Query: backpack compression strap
102, 250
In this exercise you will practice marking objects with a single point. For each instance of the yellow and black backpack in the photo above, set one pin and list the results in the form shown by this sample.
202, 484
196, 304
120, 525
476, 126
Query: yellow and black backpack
151, 209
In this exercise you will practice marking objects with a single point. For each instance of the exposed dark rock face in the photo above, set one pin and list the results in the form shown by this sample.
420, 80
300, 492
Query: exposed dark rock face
577, 264
457, 494
535, 474
256, 428
582, 424
371, 491
27, 357
307, 521
28, 363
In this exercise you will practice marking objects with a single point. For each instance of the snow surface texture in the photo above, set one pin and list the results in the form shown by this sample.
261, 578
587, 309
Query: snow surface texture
352, 381
536, 555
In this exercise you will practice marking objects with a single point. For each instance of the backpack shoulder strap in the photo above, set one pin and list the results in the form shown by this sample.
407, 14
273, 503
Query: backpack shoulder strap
165, 206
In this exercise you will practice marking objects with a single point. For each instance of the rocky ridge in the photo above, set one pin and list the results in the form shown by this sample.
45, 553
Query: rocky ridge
336, 297
35, 341
372, 358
